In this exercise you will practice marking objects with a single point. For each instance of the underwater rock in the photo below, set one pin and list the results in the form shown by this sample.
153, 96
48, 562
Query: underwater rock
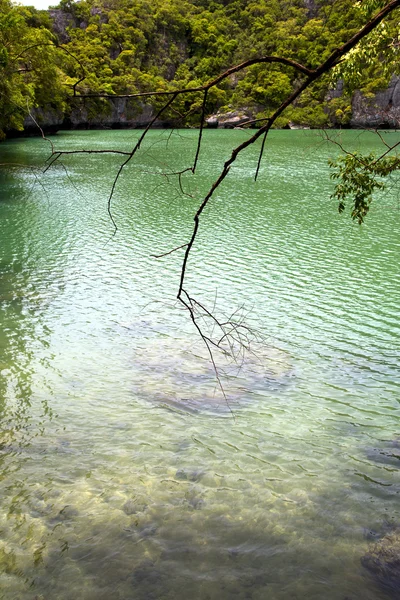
382, 561
132, 508
147, 573
148, 530
387, 455
196, 503
189, 475
66, 514
179, 379
8, 562
371, 535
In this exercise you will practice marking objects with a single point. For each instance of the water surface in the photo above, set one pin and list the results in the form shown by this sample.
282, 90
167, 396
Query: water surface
125, 473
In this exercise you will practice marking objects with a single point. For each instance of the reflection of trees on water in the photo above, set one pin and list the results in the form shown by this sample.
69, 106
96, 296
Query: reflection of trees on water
16, 373
17, 332
24, 412
21, 332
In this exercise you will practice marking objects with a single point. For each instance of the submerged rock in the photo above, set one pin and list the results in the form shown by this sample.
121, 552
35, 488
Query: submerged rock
181, 380
8, 562
132, 508
382, 561
389, 454
385, 456
147, 573
189, 475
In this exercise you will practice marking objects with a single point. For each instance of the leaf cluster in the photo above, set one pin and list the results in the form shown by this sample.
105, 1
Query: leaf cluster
358, 176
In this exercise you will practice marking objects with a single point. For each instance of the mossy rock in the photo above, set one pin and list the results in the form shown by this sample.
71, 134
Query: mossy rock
383, 562
8, 562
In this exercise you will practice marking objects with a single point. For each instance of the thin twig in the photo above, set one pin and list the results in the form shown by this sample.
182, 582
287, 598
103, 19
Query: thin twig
201, 88
170, 252
203, 116
131, 155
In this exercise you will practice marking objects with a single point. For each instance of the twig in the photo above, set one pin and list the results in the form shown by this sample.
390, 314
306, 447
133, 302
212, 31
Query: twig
213, 82
170, 252
131, 155
46, 139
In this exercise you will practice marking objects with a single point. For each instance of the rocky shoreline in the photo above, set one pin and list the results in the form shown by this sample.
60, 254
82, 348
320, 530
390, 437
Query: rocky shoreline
379, 111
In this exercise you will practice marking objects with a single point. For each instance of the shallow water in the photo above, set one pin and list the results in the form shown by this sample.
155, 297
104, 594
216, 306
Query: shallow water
125, 473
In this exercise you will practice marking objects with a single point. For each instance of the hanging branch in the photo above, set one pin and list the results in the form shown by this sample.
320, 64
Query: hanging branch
57, 47
213, 82
335, 57
131, 155
232, 332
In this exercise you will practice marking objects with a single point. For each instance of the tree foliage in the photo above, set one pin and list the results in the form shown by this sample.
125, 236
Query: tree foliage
138, 46
29, 68
358, 176
129, 47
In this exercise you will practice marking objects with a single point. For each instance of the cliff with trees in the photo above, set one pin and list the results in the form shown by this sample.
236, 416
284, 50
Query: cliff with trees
77, 64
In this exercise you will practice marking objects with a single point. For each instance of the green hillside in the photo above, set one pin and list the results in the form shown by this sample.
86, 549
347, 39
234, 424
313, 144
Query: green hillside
116, 47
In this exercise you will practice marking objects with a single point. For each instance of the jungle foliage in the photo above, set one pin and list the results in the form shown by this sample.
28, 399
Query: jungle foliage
30, 73
131, 46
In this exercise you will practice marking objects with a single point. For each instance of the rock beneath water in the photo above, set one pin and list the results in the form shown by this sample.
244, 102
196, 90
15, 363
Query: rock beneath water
132, 508
205, 402
170, 376
387, 455
8, 562
189, 475
146, 573
383, 563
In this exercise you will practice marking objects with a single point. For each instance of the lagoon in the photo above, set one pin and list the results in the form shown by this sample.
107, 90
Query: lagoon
125, 473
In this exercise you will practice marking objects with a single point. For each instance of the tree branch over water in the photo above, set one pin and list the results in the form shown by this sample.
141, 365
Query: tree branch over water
227, 334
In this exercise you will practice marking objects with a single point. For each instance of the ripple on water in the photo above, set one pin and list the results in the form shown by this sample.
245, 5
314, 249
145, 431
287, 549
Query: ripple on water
119, 479
168, 373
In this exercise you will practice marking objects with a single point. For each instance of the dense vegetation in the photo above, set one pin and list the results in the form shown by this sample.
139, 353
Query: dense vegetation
129, 46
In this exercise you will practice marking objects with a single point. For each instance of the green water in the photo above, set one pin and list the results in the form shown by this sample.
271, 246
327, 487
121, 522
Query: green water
124, 474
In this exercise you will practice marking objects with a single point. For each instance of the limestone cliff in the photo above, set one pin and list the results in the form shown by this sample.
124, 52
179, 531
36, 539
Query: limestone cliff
380, 110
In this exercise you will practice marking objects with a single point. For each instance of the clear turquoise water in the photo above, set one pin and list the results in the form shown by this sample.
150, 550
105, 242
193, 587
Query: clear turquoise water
123, 472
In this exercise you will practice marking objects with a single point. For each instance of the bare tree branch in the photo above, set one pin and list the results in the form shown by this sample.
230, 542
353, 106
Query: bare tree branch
233, 336
213, 82
326, 66
131, 155
170, 252
202, 119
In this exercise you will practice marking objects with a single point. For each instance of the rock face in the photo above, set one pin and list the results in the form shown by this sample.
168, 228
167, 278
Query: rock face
312, 8
382, 110
119, 113
383, 563
229, 120
61, 20
47, 119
